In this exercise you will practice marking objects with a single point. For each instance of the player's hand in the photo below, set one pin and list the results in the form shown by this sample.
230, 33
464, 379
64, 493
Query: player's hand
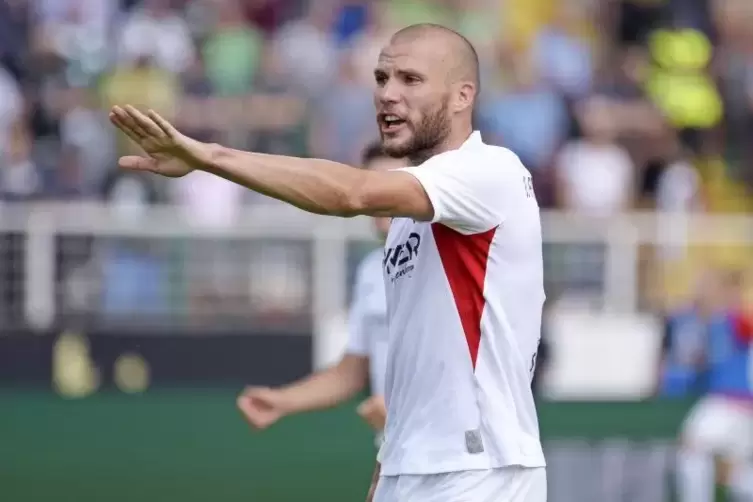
261, 406
168, 152
374, 412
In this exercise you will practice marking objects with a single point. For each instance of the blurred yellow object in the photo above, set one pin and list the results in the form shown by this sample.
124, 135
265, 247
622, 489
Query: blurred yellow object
522, 19
73, 372
131, 373
679, 83
723, 195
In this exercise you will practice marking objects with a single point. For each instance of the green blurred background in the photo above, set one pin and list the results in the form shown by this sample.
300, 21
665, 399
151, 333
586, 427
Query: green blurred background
192, 445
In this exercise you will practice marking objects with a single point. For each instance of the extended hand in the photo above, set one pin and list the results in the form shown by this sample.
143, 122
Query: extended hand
374, 412
261, 406
168, 152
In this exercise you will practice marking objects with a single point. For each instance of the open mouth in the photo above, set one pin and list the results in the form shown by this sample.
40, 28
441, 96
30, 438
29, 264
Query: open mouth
390, 123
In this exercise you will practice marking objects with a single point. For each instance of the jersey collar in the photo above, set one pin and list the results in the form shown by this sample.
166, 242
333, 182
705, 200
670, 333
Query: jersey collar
473, 140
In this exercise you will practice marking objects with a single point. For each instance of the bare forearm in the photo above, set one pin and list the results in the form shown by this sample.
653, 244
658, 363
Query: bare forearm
375, 476
374, 482
327, 388
314, 185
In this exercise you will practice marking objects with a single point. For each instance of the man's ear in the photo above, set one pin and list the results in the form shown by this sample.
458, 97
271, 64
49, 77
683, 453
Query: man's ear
464, 96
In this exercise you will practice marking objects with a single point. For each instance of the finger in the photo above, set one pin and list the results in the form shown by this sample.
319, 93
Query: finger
251, 392
136, 163
246, 407
128, 122
245, 392
163, 124
125, 129
145, 122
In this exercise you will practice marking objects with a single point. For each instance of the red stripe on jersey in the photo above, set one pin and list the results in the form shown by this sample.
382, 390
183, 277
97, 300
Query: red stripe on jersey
464, 258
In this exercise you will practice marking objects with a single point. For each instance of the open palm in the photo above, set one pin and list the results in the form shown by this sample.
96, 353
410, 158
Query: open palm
168, 152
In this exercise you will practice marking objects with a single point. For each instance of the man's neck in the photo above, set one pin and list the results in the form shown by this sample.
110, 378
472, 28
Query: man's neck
453, 142
456, 140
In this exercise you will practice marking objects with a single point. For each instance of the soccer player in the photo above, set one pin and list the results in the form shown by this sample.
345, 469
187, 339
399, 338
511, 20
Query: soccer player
366, 352
462, 267
720, 425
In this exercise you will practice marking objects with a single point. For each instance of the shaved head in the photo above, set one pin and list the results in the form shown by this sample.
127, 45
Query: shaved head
427, 81
461, 57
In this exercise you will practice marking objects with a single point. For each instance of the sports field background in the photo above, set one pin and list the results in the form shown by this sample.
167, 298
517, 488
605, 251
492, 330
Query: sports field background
113, 268
174, 445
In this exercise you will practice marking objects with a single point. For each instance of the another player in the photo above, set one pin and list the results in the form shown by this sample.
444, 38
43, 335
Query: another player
720, 425
366, 352
462, 267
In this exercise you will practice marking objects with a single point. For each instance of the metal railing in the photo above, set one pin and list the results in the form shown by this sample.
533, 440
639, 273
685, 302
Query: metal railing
602, 255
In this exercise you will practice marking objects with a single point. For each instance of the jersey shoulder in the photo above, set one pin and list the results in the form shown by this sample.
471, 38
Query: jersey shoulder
504, 160
486, 167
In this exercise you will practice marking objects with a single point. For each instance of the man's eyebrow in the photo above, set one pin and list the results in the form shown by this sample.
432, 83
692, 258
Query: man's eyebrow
403, 71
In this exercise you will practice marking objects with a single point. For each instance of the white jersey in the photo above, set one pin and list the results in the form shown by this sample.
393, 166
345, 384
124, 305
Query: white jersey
464, 299
368, 319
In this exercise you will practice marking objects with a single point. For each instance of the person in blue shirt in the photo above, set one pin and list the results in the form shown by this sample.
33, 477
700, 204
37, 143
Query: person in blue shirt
708, 353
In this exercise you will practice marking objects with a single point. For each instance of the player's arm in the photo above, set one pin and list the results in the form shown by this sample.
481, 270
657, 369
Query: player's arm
262, 406
314, 185
337, 384
374, 481
326, 388
322, 186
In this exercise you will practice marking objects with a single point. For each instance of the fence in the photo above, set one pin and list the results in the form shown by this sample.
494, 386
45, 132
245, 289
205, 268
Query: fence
278, 268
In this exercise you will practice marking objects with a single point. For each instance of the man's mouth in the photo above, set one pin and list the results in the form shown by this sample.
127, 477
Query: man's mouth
390, 123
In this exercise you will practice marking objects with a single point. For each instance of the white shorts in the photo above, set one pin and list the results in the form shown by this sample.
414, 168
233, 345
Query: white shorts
720, 425
509, 484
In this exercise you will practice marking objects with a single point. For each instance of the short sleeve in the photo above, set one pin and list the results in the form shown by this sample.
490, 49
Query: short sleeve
467, 191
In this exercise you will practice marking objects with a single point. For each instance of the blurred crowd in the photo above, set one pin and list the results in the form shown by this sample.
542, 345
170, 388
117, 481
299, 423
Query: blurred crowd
613, 105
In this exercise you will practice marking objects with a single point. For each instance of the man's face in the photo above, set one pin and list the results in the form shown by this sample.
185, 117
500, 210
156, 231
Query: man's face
412, 99
382, 224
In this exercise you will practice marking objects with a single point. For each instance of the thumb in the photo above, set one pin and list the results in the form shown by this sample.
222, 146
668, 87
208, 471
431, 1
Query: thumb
262, 394
364, 407
245, 398
136, 163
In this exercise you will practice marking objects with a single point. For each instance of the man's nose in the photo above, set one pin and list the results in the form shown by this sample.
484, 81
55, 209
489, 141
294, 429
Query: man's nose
389, 93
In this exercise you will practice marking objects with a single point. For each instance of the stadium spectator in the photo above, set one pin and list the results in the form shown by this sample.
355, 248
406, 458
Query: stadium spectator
157, 31
594, 174
251, 74
308, 48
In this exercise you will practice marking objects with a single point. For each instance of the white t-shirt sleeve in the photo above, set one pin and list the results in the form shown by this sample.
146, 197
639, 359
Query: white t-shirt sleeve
468, 192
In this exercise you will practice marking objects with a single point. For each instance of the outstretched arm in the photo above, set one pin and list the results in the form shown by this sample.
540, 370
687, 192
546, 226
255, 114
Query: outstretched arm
315, 185
322, 186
